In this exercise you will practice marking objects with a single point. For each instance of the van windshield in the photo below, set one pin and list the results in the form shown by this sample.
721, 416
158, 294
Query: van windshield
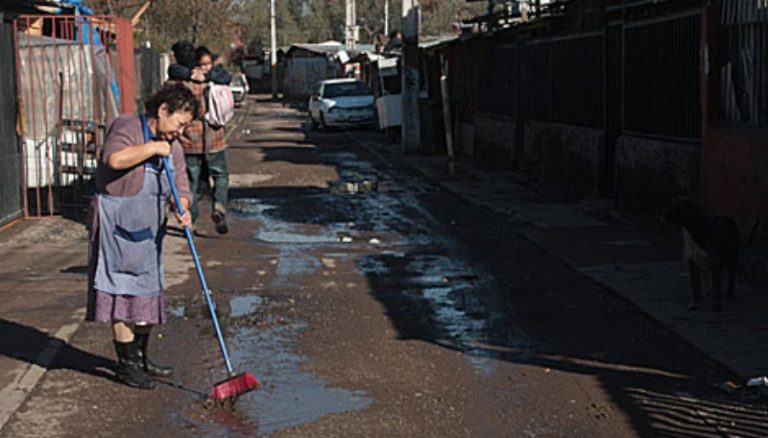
346, 89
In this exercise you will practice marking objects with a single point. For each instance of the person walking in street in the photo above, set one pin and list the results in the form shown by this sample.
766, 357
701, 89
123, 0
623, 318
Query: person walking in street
205, 145
185, 60
127, 223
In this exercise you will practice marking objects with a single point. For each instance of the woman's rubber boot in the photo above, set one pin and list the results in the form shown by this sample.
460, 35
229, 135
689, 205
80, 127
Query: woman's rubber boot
129, 367
142, 341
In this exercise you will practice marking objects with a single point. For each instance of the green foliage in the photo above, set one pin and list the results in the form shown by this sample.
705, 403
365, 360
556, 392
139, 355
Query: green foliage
206, 22
314, 21
213, 22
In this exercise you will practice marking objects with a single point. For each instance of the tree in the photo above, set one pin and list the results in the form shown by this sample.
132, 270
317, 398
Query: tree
213, 22
206, 22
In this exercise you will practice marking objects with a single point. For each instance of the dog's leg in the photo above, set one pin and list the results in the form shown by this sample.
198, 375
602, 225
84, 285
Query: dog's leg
717, 277
695, 276
731, 282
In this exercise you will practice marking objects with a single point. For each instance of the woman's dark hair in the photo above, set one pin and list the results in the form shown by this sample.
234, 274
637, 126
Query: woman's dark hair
202, 51
185, 54
176, 95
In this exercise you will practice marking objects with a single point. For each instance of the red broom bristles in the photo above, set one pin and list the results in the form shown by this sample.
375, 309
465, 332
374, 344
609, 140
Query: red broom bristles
234, 386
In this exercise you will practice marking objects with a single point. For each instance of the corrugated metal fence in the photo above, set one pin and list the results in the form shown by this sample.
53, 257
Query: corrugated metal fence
10, 181
68, 73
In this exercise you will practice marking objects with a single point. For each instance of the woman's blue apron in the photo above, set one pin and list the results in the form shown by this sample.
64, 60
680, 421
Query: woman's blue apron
131, 231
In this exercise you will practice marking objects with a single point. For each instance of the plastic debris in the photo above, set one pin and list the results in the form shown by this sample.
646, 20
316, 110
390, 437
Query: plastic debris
355, 186
758, 381
461, 277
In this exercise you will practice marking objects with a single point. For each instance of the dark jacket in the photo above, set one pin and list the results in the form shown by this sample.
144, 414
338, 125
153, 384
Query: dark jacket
179, 72
217, 75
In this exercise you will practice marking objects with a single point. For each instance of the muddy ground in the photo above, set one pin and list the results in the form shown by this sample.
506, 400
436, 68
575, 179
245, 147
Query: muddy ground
397, 309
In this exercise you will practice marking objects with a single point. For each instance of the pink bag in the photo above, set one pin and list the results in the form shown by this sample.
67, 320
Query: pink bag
221, 105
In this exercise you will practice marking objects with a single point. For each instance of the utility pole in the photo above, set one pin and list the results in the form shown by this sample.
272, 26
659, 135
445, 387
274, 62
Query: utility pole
195, 23
386, 17
350, 34
491, 10
411, 126
273, 48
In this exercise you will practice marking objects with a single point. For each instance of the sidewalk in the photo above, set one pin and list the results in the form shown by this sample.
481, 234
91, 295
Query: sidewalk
43, 279
640, 264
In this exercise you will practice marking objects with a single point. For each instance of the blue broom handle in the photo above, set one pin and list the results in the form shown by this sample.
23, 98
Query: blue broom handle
193, 250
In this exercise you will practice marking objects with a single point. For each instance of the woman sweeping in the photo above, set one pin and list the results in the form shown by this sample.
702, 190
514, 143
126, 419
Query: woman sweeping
127, 223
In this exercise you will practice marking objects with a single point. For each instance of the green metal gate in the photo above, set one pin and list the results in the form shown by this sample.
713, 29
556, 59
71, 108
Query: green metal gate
10, 174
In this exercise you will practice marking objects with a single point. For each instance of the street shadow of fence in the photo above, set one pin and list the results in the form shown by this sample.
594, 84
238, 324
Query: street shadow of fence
537, 311
28, 344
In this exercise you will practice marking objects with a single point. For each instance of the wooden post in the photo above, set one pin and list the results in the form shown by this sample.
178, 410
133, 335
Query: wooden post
410, 128
447, 114
273, 48
125, 73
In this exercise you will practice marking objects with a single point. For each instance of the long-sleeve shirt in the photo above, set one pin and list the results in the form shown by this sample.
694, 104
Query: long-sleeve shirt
199, 137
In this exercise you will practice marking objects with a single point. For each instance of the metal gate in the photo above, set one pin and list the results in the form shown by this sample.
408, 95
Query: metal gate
69, 79
10, 182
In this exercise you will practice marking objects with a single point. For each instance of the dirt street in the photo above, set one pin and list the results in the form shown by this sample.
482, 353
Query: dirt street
370, 302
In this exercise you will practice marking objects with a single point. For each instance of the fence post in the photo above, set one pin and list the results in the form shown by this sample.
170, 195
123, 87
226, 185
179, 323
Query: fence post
125, 71
411, 124
710, 84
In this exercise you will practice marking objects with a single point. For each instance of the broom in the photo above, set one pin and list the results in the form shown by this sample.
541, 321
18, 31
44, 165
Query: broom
227, 391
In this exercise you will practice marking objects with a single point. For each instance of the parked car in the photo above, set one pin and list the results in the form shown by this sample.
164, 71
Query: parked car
239, 87
342, 102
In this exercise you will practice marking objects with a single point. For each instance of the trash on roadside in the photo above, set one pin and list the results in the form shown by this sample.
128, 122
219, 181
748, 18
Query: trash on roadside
758, 381
355, 186
462, 277
374, 241
729, 386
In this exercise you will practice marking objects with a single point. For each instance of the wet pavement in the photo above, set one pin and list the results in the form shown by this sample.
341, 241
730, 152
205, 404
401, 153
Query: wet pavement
370, 300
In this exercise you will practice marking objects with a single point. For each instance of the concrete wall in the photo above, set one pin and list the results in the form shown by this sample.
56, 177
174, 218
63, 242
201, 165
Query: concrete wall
735, 175
494, 136
566, 156
650, 173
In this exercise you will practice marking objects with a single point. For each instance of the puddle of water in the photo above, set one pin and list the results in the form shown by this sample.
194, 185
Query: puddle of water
372, 265
337, 255
177, 310
287, 397
279, 232
462, 311
293, 263
244, 305
286, 236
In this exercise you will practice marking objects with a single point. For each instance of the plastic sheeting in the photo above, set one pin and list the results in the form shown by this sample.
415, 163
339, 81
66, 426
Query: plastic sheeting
63, 81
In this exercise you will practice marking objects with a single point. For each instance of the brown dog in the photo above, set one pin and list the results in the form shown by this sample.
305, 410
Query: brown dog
711, 245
